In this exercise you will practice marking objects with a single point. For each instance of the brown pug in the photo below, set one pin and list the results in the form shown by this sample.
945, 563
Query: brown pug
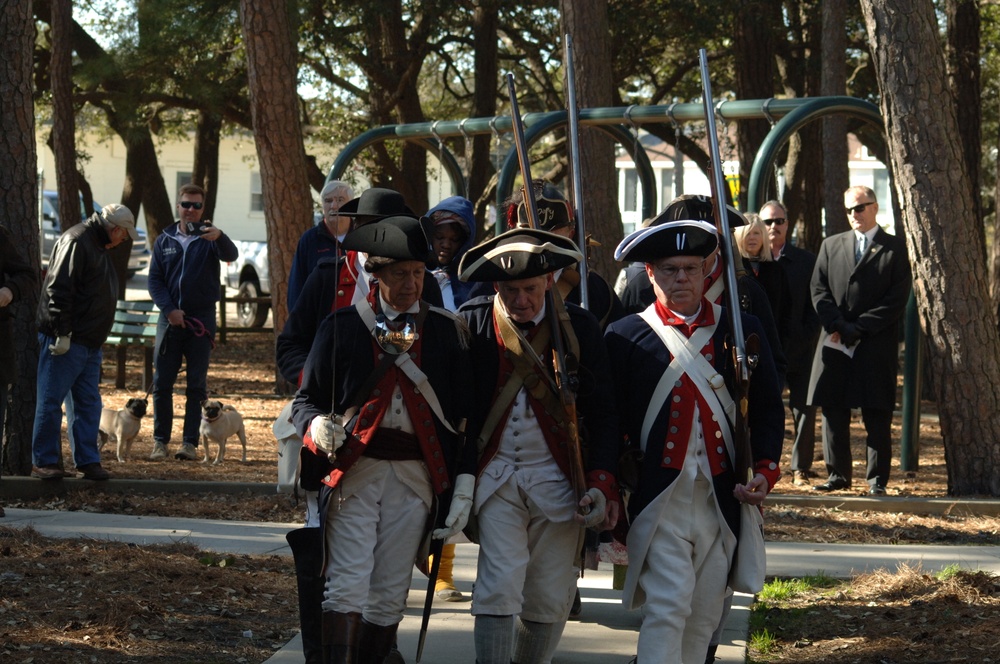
218, 423
122, 426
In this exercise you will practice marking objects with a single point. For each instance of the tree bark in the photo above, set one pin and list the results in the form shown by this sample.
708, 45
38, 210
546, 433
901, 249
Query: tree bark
19, 215
482, 179
272, 66
63, 122
963, 22
836, 178
587, 22
943, 235
206, 158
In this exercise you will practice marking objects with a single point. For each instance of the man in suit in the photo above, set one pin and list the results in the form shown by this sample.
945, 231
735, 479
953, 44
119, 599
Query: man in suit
859, 288
800, 340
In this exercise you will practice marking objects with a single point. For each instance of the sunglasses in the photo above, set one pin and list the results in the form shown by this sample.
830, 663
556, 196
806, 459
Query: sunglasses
187, 205
859, 208
780, 221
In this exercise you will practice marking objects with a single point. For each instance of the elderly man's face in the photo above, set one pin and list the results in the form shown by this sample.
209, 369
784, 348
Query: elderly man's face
861, 210
332, 202
678, 282
523, 298
401, 284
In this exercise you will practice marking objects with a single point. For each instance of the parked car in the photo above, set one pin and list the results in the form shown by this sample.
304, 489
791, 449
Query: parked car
52, 228
250, 276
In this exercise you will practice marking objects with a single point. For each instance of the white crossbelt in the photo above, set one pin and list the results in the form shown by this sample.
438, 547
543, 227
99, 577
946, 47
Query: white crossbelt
406, 364
687, 358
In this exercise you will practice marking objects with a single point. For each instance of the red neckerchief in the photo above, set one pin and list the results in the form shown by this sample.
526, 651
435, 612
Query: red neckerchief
705, 317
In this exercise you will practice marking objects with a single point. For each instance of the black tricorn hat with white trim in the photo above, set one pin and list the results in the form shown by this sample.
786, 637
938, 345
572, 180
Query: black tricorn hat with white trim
398, 238
690, 206
673, 238
375, 203
521, 253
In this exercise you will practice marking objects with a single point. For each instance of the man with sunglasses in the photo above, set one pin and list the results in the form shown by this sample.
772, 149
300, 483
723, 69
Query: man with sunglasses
184, 284
800, 341
859, 288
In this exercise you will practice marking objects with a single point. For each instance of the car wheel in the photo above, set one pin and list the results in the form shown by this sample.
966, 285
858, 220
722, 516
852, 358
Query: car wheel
251, 314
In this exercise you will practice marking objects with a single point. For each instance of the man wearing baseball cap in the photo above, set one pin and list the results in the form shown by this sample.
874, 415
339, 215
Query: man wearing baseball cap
75, 313
669, 366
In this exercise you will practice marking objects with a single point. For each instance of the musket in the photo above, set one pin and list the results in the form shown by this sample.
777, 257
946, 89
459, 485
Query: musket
742, 362
574, 165
565, 379
437, 545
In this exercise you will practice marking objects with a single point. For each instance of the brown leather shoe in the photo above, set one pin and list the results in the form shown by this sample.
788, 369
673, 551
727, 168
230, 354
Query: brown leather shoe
94, 471
49, 472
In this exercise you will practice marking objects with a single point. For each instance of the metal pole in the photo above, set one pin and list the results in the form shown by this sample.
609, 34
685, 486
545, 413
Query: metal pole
575, 167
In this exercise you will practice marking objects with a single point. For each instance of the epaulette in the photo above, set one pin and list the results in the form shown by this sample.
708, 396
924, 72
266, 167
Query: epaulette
324, 263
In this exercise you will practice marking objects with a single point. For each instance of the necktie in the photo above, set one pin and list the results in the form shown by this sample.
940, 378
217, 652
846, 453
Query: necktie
860, 250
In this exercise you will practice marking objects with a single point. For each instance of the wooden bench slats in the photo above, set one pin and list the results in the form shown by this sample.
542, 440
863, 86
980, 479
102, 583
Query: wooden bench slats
134, 325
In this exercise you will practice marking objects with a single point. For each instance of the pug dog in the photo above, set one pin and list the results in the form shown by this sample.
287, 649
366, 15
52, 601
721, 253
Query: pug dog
122, 426
218, 423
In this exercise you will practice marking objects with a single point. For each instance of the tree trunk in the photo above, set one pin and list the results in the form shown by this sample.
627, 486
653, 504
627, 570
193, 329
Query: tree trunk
836, 178
272, 66
965, 74
943, 236
587, 22
19, 215
63, 123
753, 45
484, 105
206, 158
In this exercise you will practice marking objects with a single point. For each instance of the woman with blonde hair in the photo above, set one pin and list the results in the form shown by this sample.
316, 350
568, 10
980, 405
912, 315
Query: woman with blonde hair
753, 245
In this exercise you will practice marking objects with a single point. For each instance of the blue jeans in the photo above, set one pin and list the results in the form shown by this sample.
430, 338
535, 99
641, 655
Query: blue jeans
76, 373
173, 346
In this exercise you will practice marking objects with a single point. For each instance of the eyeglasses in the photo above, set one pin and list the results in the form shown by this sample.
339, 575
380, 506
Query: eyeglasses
672, 271
187, 205
859, 208
780, 221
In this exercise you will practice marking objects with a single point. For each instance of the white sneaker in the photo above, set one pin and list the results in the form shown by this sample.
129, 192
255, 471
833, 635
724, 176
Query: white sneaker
187, 452
159, 452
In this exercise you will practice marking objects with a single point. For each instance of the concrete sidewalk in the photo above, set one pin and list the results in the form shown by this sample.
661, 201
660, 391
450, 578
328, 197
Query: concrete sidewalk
605, 633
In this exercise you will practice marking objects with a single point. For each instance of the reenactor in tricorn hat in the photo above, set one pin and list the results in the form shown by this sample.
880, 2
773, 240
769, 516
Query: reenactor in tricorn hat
668, 365
556, 216
383, 392
529, 526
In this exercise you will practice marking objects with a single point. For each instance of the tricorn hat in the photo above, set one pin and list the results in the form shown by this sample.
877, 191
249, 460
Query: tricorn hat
690, 206
671, 238
375, 203
398, 238
518, 254
553, 208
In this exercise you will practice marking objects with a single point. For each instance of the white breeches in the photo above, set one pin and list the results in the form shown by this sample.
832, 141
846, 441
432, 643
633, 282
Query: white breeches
526, 562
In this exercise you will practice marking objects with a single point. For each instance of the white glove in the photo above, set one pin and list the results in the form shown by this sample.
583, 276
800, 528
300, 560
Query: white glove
598, 505
60, 346
327, 433
461, 507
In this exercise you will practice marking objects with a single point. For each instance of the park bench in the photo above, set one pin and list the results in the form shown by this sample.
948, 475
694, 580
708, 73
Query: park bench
134, 326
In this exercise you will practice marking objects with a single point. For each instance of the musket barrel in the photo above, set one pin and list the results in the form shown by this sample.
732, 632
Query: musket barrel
573, 113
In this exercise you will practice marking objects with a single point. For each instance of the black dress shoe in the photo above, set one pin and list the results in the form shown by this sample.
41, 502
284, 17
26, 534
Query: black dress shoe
832, 485
94, 471
876, 490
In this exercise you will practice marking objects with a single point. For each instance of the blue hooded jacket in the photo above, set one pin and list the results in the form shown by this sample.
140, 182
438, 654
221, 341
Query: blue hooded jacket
461, 207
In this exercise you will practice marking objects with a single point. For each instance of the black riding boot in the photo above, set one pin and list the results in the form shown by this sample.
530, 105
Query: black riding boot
376, 642
307, 550
341, 632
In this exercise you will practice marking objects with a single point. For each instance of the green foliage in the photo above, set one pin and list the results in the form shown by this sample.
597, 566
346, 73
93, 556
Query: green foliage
763, 642
780, 590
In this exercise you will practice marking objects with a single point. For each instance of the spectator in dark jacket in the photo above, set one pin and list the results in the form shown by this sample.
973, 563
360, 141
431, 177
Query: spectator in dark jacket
75, 313
184, 284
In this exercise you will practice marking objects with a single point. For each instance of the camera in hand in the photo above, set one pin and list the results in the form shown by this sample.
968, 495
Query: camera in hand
197, 227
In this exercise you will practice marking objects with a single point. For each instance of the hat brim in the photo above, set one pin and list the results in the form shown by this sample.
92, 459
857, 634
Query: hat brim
673, 238
399, 237
350, 209
521, 253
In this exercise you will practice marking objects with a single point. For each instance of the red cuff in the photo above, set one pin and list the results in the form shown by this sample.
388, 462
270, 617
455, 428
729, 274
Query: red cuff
307, 440
605, 481
298, 383
770, 470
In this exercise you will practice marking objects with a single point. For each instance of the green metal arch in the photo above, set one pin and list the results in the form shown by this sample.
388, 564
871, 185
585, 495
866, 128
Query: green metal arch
782, 131
643, 167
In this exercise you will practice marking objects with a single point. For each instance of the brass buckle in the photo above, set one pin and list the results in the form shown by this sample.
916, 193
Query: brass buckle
395, 342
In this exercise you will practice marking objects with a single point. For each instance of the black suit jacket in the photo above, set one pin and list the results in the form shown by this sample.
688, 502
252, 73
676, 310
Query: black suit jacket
803, 323
872, 295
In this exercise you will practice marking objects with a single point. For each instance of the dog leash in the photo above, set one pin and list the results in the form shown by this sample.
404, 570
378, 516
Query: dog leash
199, 329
